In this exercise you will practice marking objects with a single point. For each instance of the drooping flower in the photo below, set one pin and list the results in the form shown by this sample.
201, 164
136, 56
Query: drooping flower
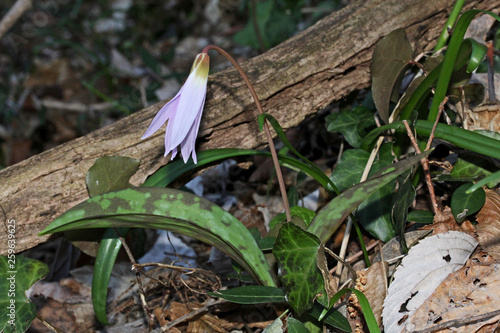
184, 111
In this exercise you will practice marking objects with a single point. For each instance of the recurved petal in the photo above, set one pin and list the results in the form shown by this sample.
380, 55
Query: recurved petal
166, 112
188, 144
190, 103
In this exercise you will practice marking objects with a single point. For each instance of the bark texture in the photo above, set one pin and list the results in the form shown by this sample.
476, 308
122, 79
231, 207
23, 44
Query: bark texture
294, 80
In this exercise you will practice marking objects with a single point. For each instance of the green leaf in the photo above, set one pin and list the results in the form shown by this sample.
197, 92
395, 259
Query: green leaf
370, 320
390, 59
17, 275
334, 213
167, 174
295, 250
374, 213
110, 173
303, 213
332, 317
463, 204
471, 168
352, 124
421, 216
105, 260
329, 186
251, 295
349, 169
460, 137
494, 178
296, 326
171, 210
403, 199
450, 58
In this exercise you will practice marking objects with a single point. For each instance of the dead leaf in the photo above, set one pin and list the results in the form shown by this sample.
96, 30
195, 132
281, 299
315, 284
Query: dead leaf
444, 222
421, 272
488, 227
373, 283
471, 291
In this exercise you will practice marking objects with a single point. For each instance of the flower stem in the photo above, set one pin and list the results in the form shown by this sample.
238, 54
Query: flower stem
274, 155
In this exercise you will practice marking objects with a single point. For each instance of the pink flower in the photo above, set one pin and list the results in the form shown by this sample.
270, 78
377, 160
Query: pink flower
184, 111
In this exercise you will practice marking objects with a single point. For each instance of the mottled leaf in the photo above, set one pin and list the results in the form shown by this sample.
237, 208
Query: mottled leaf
17, 275
251, 295
463, 204
352, 124
334, 213
171, 210
390, 58
295, 250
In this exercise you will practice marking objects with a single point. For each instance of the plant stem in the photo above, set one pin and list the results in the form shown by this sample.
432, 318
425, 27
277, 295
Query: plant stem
445, 33
274, 155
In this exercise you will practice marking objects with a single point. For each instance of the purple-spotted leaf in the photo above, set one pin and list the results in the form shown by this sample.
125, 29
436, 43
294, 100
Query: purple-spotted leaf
390, 58
296, 250
334, 213
109, 173
172, 210
18, 274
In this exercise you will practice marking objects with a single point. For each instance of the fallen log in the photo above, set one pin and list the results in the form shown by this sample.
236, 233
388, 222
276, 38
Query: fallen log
294, 80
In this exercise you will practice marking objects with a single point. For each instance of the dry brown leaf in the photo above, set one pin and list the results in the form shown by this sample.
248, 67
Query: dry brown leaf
376, 287
444, 222
202, 323
373, 283
473, 290
488, 227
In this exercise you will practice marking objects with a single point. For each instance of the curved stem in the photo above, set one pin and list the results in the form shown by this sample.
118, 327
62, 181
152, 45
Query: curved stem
279, 175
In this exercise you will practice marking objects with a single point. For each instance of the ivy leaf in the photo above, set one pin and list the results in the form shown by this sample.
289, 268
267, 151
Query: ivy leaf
16, 310
352, 124
295, 250
350, 168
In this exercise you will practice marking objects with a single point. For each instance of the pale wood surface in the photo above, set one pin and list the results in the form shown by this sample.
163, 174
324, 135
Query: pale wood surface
294, 80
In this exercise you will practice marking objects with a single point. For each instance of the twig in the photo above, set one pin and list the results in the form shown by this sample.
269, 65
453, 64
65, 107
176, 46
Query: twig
459, 322
491, 74
49, 325
210, 303
142, 294
15, 12
425, 166
341, 261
